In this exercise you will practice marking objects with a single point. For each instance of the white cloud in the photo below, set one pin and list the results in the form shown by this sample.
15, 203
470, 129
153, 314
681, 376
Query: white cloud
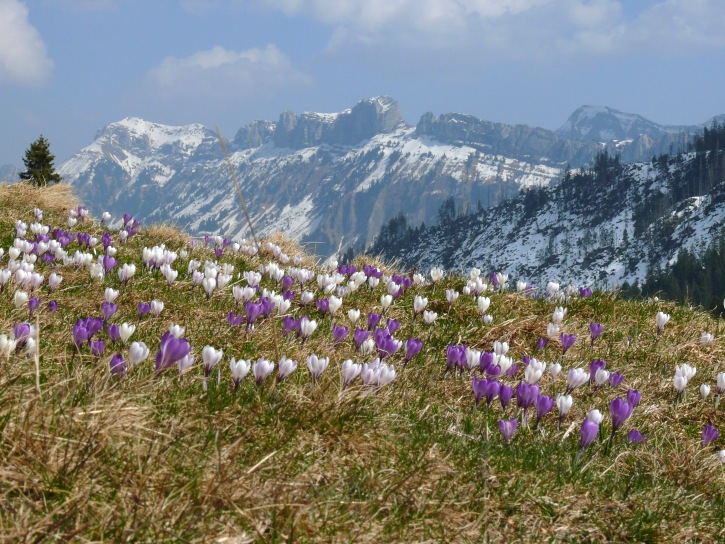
513, 28
23, 55
222, 74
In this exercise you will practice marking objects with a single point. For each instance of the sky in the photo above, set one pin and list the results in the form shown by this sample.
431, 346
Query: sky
70, 67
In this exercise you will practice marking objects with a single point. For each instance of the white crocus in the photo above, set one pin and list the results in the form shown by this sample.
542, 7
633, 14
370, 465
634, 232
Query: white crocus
285, 368
317, 366
386, 301
576, 377
429, 317
125, 330
706, 339
436, 274
483, 304
595, 416
564, 403
334, 304
601, 377
554, 369
704, 391
661, 319
239, 370
137, 353
20, 298
349, 370
353, 316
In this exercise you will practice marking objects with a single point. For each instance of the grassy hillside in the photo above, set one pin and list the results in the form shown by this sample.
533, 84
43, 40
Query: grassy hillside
155, 456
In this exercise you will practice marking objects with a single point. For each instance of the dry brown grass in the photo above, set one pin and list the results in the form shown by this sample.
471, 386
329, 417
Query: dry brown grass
21, 198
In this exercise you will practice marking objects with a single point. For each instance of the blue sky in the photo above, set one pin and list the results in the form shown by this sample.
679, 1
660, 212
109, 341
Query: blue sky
69, 67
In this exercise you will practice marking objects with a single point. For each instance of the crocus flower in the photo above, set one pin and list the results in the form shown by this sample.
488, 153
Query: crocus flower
239, 370
429, 317
125, 331
118, 365
554, 369
97, 347
20, 298
156, 307
307, 327
563, 404
720, 380
137, 353
339, 333
704, 391
261, 369
585, 292
412, 348
541, 343
109, 263
620, 411
285, 368
323, 305
80, 334
373, 320
589, 432
211, 358
114, 333
508, 428
455, 357
504, 395
661, 320
544, 404
108, 309
479, 389
359, 336
595, 330
635, 437
33, 304
143, 308
349, 371
171, 350
706, 339
317, 366
709, 435
615, 379
392, 325
52, 306
574, 378
526, 395
633, 396
567, 341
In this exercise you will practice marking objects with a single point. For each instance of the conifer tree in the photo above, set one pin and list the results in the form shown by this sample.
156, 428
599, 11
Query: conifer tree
39, 166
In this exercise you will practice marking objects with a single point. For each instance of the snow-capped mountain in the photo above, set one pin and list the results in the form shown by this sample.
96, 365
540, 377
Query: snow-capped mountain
602, 227
328, 179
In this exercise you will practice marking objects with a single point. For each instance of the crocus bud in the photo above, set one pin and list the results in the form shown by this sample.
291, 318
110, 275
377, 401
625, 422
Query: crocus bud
704, 391
20, 298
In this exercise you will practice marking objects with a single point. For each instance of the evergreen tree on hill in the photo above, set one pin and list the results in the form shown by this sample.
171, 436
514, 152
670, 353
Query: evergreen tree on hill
39, 166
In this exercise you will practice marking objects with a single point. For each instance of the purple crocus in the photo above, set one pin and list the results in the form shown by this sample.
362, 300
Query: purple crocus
635, 437
620, 410
504, 395
392, 325
508, 428
412, 348
526, 395
289, 324
633, 397
616, 379
373, 320
21, 331
541, 343
485, 361
108, 309
109, 263
52, 306
253, 310
585, 292
118, 365
544, 404
113, 333
455, 357
171, 351
234, 320
594, 366
479, 388
97, 347
339, 333
359, 336
709, 435
33, 304
323, 305
595, 329
567, 341
106, 240
80, 334
589, 432
491, 389
143, 308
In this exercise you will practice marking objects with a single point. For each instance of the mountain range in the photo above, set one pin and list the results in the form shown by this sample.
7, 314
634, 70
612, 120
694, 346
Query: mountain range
332, 180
